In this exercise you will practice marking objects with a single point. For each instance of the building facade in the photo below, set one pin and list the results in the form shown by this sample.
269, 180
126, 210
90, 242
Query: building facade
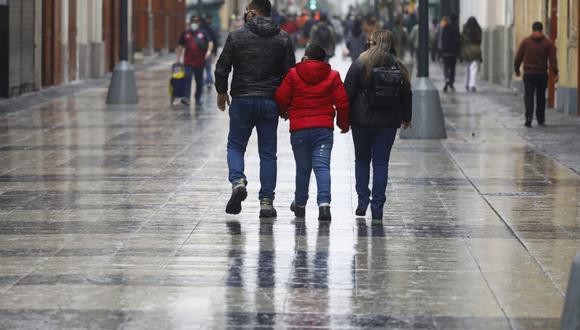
51, 42
506, 23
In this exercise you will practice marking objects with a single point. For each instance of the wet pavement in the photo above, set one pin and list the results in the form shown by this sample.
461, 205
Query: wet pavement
114, 218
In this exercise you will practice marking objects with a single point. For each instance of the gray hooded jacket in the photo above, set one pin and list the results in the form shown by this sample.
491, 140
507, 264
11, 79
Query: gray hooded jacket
260, 53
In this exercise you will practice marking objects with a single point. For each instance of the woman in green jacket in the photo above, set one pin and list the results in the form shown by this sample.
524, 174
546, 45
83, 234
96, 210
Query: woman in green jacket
471, 51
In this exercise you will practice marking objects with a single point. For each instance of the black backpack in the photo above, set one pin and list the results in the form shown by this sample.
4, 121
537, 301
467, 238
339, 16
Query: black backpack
385, 88
324, 34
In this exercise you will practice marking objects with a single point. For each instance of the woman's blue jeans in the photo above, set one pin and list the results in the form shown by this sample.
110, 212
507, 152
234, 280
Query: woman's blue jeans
372, 144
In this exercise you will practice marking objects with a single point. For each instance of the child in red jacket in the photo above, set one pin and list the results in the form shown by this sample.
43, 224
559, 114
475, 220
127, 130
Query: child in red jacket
309, 96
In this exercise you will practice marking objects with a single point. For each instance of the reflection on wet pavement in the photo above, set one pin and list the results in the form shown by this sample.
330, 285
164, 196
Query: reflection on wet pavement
114, 218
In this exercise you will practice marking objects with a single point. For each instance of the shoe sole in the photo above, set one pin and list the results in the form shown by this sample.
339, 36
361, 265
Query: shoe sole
235, 203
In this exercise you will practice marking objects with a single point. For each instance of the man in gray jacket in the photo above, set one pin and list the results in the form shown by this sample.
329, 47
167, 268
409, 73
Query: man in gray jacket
261, 54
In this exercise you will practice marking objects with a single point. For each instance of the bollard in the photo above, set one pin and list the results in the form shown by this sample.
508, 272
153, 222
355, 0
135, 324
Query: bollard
123, 89
428, 121
571, 314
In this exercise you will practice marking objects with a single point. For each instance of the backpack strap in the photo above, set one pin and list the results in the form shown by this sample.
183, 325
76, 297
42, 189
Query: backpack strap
200, 44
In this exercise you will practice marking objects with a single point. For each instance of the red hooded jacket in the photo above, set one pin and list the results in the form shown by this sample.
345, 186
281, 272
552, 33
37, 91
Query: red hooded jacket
309, 94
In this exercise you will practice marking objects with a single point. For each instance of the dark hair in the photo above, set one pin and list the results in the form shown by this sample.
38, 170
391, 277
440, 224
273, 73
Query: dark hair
454, 18
193, 17
262, 6
472, 29
315, 52
537, 26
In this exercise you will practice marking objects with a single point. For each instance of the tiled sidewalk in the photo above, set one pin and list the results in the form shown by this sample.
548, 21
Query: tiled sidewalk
114, 218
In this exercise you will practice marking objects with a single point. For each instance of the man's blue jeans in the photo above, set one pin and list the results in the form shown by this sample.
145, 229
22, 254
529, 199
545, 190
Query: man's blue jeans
372, 144
245, 114
312, 148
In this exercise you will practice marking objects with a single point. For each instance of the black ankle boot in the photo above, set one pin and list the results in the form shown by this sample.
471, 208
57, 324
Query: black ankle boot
299, 211
324, 213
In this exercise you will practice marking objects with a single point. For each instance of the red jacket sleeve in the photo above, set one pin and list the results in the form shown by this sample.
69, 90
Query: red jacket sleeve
340, 100
284, 93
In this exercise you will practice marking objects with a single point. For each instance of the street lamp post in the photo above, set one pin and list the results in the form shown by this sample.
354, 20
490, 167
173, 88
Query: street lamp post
428, 121
123, 89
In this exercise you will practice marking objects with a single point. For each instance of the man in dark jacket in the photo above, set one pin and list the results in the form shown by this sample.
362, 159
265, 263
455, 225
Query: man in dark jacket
536, 51
261, 54
450, 39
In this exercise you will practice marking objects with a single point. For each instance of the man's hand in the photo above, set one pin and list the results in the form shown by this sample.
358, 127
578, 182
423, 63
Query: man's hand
556, 78
344, 131
518, 73
222, 100
207, 55
405, 124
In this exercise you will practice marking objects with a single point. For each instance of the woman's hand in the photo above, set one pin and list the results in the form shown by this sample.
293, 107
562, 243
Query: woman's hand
405, 124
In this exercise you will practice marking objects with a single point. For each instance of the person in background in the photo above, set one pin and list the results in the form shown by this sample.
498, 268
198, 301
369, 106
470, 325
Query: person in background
439, 35
450, 39
433, 39
323, 34
536, 52
374, 128
261, 54
414, 41
206, 25
471, 51
401, 37
198, 48
338, 29
310, 96
356, 40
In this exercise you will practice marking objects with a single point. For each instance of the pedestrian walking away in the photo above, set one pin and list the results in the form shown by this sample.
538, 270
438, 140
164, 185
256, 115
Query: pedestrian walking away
536, 52
356, 39
323, 34
309, 96
380, 96
471, 52
450, 39
198, 48
401, 36
206, 25
261, 54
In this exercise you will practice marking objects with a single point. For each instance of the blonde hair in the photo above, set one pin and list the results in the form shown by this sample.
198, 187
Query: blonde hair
380, 54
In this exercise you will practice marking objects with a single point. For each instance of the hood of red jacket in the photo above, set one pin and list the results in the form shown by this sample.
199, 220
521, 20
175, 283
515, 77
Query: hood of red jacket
313, 72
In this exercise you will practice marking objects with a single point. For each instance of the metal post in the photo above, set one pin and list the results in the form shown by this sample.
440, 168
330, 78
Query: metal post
428, 121
123, 89
423, 54
124, 30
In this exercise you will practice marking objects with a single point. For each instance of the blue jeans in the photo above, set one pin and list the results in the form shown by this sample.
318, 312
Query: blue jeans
191, 72
245, 114
208, 72
312, 148
372, 144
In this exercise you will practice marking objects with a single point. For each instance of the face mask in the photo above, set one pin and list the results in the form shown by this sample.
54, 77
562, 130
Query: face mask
194, 26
